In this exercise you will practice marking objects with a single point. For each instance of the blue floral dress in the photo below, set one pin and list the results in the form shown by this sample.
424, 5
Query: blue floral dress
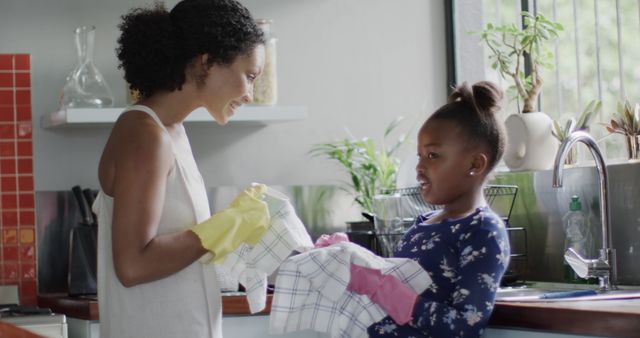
465, 258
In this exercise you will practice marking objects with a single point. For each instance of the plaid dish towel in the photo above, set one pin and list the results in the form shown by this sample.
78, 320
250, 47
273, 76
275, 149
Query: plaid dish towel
311, 290
251, 265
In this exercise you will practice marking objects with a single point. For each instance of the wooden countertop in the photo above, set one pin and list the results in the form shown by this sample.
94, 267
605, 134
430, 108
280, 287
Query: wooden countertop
619, 318
87, 307
10, 330
76, 307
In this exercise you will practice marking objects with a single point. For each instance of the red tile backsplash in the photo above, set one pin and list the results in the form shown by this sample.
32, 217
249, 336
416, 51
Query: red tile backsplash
25, 165
6, 114
27, 252
9, 218
10, 271
22, 62
26, 201
28, 271
23, 96
9, 201
6, 80
8, 183
7, 166
9, 236
7, 149
28, 292
25, 183
25, 148
28, 218
27, 236
23, 129
23, 113
10, 253
23, 80
17, 214
7, 130
6, 62
6, 97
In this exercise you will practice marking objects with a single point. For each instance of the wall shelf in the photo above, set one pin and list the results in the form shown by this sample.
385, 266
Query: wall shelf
79, 117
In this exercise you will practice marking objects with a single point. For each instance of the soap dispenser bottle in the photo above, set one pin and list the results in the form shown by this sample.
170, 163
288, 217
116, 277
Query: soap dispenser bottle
575, 229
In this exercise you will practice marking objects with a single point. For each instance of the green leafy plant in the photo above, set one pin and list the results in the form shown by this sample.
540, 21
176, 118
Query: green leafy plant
581, 124
370, 169
626, 121
511, 46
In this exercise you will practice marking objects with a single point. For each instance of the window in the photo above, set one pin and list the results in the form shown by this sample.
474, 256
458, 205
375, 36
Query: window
597, 56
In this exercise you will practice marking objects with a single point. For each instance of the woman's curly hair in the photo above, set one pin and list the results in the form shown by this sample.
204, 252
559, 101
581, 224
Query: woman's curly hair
156, 46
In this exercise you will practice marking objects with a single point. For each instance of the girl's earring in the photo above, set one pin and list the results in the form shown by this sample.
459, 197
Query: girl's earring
472, 173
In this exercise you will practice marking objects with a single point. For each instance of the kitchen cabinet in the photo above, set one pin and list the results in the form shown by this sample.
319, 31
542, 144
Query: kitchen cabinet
81, 328
507, 333
9, 330
257, 114
257, 327
563, 319
580, 318
50, 326
232, 326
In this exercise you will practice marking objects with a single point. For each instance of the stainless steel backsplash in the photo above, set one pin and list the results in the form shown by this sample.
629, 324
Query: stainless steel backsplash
323, 209
539, 208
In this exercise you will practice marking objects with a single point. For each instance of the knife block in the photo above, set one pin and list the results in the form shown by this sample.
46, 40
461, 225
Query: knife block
83, 260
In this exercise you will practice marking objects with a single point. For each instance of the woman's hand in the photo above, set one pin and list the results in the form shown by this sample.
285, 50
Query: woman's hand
245, 220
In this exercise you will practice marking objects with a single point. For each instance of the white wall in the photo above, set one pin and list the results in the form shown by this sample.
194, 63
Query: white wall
353, 63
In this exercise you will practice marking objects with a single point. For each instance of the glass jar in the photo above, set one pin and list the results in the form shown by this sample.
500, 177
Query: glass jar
133, 95
85, 86
265, 88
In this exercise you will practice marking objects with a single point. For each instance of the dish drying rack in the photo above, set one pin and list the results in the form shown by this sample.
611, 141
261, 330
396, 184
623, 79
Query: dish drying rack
500, 198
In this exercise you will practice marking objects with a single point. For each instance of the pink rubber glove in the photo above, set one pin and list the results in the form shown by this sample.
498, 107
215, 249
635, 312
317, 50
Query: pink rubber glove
326, 240
393, 296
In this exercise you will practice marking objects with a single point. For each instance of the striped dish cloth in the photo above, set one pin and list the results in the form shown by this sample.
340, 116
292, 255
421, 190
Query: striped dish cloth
250, 266
311, 290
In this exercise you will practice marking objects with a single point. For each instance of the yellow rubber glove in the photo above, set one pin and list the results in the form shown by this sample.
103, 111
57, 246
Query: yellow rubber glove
245, 220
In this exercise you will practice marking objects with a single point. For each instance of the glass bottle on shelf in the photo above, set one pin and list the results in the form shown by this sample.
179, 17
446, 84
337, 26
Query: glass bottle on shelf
133, 95
85, 86
265, 88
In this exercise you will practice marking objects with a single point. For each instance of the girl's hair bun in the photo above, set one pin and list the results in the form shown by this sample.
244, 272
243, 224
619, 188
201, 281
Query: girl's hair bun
462, 93
484, 96
487, 97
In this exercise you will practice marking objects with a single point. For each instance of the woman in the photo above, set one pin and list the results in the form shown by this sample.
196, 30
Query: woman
203, 53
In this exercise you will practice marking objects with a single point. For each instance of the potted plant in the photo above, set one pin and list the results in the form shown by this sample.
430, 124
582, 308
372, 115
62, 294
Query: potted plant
512, 49
572, 125
371, 170
627, 122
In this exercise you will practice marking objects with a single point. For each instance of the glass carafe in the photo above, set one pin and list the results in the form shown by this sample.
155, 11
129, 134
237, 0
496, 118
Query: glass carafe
85, 86
265, 89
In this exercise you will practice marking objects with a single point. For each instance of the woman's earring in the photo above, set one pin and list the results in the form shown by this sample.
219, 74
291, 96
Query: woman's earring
472, 173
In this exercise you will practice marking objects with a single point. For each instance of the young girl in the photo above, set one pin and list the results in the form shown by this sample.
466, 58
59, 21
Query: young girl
152, 206
464, 247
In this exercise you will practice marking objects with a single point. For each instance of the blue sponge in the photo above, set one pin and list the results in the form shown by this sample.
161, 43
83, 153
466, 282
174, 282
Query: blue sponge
568, 294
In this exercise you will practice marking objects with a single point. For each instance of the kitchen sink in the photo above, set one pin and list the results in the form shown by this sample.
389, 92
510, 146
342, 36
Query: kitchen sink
560, 292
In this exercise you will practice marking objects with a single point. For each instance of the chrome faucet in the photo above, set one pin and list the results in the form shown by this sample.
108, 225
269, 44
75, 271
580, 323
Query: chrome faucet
604, 267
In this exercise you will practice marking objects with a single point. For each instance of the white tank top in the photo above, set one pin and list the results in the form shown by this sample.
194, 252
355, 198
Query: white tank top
186, 304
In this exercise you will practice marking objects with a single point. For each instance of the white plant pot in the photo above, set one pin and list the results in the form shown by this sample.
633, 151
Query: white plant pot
530, 144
